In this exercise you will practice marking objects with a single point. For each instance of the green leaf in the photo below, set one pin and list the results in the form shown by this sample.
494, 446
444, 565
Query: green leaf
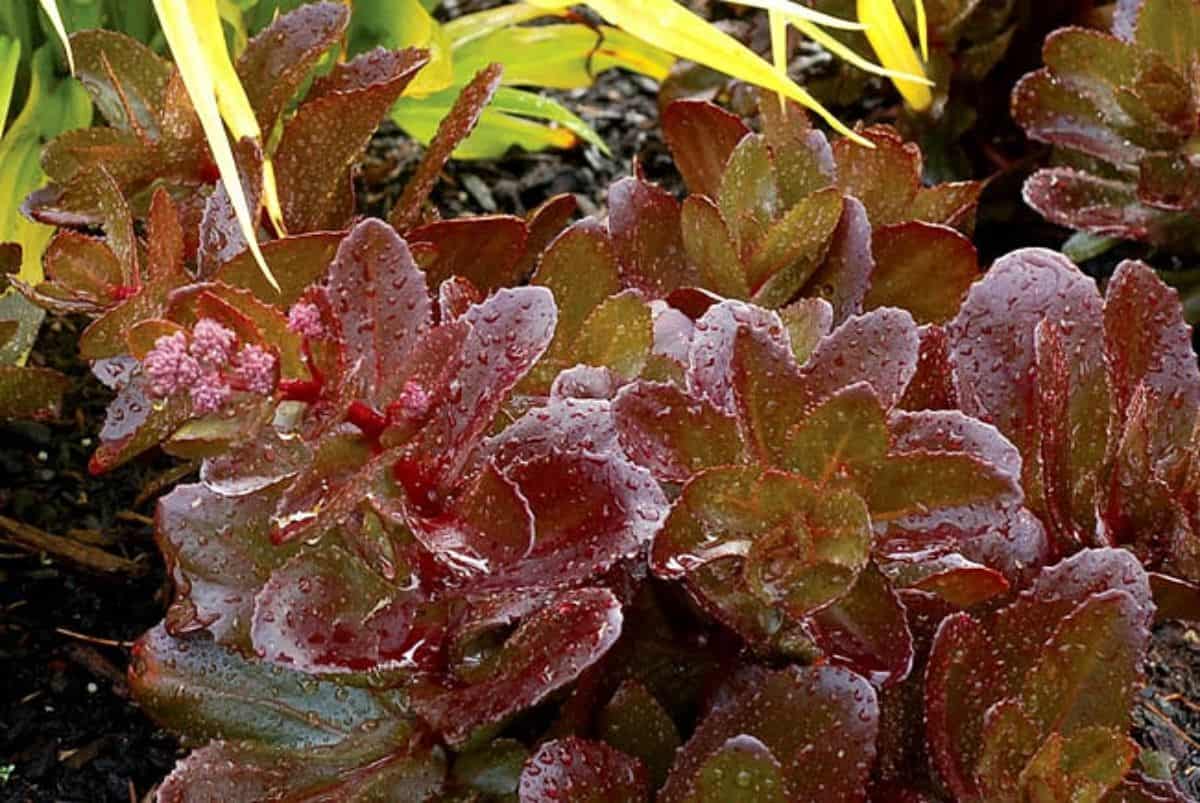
636, 723
391, 761
1172, 29
31, 392
617, 335
206, 691
802, 545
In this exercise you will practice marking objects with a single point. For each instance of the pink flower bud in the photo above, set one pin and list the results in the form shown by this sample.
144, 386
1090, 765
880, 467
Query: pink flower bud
212, 343
255, 370
413, 402
210, 393
305, 319
169, 367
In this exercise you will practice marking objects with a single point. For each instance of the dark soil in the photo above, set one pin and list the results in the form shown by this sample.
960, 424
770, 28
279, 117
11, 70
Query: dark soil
67, 729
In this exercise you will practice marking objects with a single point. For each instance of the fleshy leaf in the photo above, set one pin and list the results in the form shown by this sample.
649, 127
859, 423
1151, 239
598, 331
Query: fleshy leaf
278, 60
635, 722
391, 761
701, 136
671, 434
325, 611
819, 724
548, 650
329, 132
801, 547
643, 221
1081, 625
380, 297
923, 268
219, 554
453, 129
867, 630
574, 770
207, 691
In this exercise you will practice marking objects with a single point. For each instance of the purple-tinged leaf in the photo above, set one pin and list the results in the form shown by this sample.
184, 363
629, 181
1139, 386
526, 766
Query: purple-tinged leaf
509, 332
326, 612
1062, 658
924, 268
590, 505
458, 123
644, 223
297, 262
845, 277
393, 761
548, 650
711, 359
1149, 344
701, 137
798, 546
671, 434
219, 553
278, 60
484, 250
207, 691
817, 724
126, 79
866, 630
329, 132
574, 770
993, 340
932, 386
1098, 205
803, 159
880, 348
380, 297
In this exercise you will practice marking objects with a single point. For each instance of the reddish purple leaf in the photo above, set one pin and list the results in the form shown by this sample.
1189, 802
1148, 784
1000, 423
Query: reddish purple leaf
818, 724
278, 60
644, 222
326, 612
548, 650
329, 132
672, 435
380, 297
701, 137
484, 250
880, 348
574, 770
458, 123
866, 630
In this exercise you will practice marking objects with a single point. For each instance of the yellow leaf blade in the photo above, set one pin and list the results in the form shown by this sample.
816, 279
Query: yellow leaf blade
192, 47
889, 39
687, 35
56, 20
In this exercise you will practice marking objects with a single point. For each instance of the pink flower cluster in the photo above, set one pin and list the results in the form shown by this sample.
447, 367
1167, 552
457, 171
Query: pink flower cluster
208, 367
305, 319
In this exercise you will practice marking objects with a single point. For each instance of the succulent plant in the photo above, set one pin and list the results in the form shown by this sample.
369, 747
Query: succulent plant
1120, 109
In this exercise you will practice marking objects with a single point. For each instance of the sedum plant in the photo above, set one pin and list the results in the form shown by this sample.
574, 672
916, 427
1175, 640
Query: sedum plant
1119, 108
563, 519
761, 494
